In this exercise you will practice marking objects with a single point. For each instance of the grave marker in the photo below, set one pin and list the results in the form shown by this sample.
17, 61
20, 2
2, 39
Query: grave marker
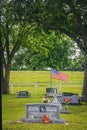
75, 100
23, 94
35, 113
51, 91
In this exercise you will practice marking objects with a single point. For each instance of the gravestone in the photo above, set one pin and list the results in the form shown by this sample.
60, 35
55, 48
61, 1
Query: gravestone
35, 113
51, 91
23, 94
75, 100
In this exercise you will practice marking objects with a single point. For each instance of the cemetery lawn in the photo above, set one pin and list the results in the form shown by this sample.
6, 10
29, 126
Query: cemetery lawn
13, 108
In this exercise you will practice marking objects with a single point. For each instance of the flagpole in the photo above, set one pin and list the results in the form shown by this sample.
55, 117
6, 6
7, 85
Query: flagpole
51, 77
60, 87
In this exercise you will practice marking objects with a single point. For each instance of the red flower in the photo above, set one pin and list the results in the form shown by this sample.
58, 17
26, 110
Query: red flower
67, 100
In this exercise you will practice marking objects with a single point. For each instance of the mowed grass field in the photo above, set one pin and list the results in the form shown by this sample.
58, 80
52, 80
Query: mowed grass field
13, 108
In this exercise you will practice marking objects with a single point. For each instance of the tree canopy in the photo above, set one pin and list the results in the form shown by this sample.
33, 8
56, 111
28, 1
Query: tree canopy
43, 50
67, 17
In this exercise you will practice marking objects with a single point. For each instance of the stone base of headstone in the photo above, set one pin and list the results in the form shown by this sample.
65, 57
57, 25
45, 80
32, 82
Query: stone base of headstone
35, 113
55, 121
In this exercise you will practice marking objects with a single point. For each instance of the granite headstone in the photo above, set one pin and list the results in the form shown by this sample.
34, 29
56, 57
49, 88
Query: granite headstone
24, 94
51, 91
75, 99
35, 112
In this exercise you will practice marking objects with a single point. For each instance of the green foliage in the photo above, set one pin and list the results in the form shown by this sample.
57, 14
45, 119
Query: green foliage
43, 50
77, 63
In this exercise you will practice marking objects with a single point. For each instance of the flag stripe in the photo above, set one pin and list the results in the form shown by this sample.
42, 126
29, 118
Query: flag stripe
59, 75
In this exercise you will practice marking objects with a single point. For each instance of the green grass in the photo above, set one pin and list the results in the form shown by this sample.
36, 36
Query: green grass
43, 76
13, 109
22, 80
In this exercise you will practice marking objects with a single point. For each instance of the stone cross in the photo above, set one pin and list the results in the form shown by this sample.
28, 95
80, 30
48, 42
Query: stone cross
56, 100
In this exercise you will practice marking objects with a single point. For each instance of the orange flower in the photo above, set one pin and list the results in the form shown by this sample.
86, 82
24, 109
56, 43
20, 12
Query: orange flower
45, 119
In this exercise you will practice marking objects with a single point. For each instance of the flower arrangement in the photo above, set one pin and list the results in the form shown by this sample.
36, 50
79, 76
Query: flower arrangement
67, 101
45, 119
45, 99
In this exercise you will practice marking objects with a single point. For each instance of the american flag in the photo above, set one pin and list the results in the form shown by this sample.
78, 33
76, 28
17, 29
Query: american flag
59, 75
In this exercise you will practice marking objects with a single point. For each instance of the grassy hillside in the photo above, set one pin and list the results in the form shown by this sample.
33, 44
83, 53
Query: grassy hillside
13, 109
42, 76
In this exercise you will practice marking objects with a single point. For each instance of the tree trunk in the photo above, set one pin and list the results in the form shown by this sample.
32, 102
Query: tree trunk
84, 91
5, 86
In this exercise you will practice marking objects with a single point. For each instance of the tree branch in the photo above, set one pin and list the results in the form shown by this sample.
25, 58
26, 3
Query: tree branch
79, 20
7, 41
21, 34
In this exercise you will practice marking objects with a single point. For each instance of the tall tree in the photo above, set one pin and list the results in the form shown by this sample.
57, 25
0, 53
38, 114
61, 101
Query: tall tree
70, 17
13, 33
66, 16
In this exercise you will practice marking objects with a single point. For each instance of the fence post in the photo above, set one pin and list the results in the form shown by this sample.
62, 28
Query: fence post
36, 86
12, 88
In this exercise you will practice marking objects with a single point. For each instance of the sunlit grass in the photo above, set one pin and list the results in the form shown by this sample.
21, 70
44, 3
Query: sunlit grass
13, 108
43, 76
38, 81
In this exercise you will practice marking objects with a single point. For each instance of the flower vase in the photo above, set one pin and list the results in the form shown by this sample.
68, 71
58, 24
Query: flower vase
66, 107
